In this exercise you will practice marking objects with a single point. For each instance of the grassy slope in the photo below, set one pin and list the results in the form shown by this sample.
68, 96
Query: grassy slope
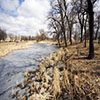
8, 47
64, 75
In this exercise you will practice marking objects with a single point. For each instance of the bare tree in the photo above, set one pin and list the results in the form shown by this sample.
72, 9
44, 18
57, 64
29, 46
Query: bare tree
91, 27
3, 35
85, 29
58, 16
70, 18
56, 30
97, 25
60, 6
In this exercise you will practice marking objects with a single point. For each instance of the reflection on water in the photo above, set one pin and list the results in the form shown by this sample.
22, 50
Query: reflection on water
13, 66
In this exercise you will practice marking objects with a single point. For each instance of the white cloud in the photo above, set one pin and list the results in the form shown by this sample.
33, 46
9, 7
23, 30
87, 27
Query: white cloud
9, 4
34, 8
31, 16
97, 6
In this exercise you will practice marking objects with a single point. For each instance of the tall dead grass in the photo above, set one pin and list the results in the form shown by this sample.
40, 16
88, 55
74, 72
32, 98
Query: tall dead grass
56, 89
54, 84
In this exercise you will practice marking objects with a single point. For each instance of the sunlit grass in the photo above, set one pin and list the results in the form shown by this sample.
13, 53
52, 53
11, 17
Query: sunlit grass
7, 47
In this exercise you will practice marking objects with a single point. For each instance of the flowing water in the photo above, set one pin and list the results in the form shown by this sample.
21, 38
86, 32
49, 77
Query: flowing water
13, 66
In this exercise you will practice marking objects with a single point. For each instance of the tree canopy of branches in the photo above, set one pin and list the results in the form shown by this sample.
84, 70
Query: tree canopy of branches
41, 36
64, 18
3, 35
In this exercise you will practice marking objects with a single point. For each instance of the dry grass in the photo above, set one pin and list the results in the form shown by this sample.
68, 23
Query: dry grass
39, 97
8, 47
56, 90
65, 80
49, 42
65, 76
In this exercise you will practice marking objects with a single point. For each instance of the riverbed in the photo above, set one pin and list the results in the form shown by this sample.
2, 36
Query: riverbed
13, 66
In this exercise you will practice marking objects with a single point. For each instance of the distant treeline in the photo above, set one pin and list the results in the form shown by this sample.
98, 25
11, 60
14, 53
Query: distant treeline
3, 35
41, 36
14, 38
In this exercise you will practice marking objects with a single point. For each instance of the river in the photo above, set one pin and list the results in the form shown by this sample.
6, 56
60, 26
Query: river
13, 66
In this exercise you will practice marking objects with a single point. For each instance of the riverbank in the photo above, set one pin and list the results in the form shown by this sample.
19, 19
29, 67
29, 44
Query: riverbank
49, 42
65, 74
8, 47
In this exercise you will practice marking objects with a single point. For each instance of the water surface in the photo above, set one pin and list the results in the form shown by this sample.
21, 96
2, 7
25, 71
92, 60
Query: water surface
13, 66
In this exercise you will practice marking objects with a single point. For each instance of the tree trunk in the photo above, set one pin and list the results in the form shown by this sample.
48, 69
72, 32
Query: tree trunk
85, 30
65, 38
99, 40
58, 41
81, 33
85, 36
81, 21
96, 34
63, 25
70, 35
91, 29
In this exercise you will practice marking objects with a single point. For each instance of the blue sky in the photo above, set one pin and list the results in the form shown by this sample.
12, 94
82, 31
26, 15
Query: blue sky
23, 17
20, 1
11, 12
